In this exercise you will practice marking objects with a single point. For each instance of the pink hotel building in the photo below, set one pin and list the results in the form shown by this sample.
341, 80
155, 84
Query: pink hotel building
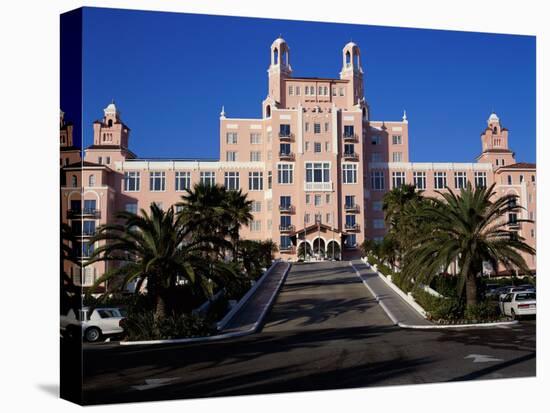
315, 166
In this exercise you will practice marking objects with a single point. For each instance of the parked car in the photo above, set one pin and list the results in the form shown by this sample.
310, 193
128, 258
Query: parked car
518, 304
490, 290
509, 290
102, 322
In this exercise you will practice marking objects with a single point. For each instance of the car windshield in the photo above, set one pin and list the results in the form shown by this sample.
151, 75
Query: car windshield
526, 296
106, 313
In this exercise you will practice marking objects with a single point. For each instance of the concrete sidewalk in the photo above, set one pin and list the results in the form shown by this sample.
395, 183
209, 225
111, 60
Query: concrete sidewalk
251, 314
401, 311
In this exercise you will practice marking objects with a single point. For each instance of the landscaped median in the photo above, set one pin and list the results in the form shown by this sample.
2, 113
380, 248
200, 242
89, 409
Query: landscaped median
439, 311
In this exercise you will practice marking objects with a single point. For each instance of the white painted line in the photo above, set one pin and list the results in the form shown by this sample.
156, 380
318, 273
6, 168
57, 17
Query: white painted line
444, 326
480, 358
154, 383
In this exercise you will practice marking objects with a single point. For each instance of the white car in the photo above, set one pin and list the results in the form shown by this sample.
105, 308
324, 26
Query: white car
100, 323
510, 290
517, 304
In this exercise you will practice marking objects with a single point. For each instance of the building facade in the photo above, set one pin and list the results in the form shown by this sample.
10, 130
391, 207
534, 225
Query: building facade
315, 166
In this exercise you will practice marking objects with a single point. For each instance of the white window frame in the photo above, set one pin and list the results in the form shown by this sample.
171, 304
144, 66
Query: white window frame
231, 180
255, 138
461, 180
208, 178
255, 156
398, 179
136, 177
437, 176
349, 173
419, 177
285, 172
157, 179
232, 138
182, 180
377, 180
255, 181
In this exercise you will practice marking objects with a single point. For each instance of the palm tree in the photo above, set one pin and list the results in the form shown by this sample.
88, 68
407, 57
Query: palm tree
156, 248
237, 212
468, 228
70, 293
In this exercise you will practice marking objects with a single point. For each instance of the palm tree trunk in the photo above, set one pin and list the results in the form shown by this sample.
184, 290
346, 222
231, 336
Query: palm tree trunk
471, 290
160, 310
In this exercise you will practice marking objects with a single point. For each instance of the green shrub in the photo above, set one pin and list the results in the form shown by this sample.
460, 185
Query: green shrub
449, 309
143, 326
482, 312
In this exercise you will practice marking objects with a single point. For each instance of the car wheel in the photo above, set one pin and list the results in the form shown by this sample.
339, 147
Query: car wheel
514, 316
92, 334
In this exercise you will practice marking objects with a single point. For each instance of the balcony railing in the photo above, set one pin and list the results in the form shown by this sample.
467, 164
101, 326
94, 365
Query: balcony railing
318, 186
350, 247
351, 208
287, 249
350, 137
352, 227
86, 212
286, 137
287, 156
286, 228
288, 209
351, 156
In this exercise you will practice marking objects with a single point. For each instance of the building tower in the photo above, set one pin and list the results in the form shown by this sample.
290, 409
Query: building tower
352, 71
278, 71
494, 144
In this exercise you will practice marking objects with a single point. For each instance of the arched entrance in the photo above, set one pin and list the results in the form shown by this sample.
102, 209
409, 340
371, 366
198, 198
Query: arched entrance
304, 251
333, 250
319, 248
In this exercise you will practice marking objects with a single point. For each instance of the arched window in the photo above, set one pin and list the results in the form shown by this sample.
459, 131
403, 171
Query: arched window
284, 58
268, 111
74, 181
110, 123
509, 179
91, 180
356, 59
348, 59
276, 56
495, 129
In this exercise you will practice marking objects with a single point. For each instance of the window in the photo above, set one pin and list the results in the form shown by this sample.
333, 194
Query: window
326, 126
256, 206
349, 172
285, 243
349, 149
306, 90
291, 90
333, 91
480, 179
460, 180
378, 223
350, 201
91, 180
398, 179
317, 147
231, 181
376, 157
108, 160
255, 138
307, 146
100, 160
440, 180
157, 181
74, 182
131, 207
231, 156
397, 156
231, 138
348, 131
256, 181
269, 180
419, 180
531, 215
317, 200
269, 136
327, 198
285, 222
87, 249
284, 149
533, 178
521, 179
396, 139
255, 226
183, 180
307, 218
88, 228
308, 198
285, 202
327, 146
316, 128
208, 178
328, 218
255, 156
377, 205
350, 241
377, 180
297, 90
350, 221
285, 173
306, 127
317, 172
512, 218
284, 130
131, 181
341, 91
509, 179
375, 140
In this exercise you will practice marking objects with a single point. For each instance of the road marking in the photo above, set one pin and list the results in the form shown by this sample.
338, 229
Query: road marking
480, 358
153, 383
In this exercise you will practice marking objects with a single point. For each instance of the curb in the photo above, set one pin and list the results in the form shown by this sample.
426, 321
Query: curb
457, 326
218, 337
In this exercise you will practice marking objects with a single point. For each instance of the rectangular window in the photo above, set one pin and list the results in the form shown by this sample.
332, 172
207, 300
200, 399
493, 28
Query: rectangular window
350, 221
328, 218
183, 181
397, 156
377, 180
317, 147
255, 138
157, 181
285, 173
269, 224
350, 241
88, 228
255, 156
398, 179
131, 207
377, 205
269, 180
350, 201
375, 140
285, 202
480, 179
131, 181
327, 146
297, 90
108, 160
349, 149
231, 181
376, 157
208, 178
327, 198
306, 127
316, 128
317, 172
90, 206
306, 90
285, 221
290, 91
317, 200
307, 146
509, 179
333, 91
256, 181
231, 138
284, 148
100, 160
419, 180
284, 130
256, 206
307, 218
256, 226
440, 180
231, 156
285, 243
348, 131
378, 223
341, 91
326, 126
349, 172
396, 139
460, 180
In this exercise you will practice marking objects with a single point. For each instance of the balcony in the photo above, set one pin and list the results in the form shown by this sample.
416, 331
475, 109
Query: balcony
286, 209
350, 247
352, 227
83, 213
283, 229
350, 156
286, 156
318, 186
287, 249
353, 208
350, 138
286, 137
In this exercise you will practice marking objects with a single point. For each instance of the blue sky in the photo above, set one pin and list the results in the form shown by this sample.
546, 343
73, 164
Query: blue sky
170, 73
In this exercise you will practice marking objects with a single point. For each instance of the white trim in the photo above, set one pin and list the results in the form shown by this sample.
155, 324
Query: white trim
432, 166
